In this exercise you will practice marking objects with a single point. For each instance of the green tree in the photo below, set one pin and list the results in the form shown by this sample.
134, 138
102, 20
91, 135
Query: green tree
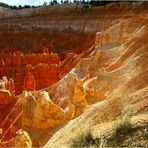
19, 7
45, 4
13, 7
27, 6
66, 1
55, 2
4, 5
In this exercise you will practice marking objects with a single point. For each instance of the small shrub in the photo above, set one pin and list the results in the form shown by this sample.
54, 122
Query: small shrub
83, 140
124, 128
127, 112
87, 7
146, 132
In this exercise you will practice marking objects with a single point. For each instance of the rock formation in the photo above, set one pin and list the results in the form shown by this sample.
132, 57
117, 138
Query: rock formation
114, 77
21, 139
17, 69
87, 91
76, 94
7, 85
40, 112
29, 82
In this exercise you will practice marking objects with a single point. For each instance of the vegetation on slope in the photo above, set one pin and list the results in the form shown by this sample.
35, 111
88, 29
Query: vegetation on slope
83, 140
133, 138
126, 136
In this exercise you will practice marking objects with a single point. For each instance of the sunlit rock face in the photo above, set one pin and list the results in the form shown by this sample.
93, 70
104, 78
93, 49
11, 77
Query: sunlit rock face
58, 99
21, 139
40, 112
6, 84
76, 94
115, 75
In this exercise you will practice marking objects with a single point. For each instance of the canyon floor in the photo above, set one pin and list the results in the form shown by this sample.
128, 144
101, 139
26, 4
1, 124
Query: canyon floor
74, 77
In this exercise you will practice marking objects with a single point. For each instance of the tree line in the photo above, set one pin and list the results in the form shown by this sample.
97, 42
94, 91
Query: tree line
55, 2
16, 7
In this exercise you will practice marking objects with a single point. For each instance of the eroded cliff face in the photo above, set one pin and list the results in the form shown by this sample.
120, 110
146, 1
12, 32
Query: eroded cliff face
91, 92
28, 71
117, 76
69, 28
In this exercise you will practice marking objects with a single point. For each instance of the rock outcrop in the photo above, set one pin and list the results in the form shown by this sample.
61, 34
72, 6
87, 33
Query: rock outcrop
40, 112
29, 81
115, 76
86, 91
5, 98
21, 139
76, 94
6, 84
45, 70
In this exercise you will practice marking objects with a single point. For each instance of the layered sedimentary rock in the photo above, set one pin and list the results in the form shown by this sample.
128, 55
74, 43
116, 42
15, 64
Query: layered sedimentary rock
33, 72
70, 28
104, 81
45, 70
124, 85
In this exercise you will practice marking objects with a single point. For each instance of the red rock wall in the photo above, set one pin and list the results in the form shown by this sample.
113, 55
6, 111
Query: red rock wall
7, 101
45, 69
41, 76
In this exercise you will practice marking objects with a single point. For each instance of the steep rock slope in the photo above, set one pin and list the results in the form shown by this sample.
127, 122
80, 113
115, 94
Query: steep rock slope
104, 80
122, 86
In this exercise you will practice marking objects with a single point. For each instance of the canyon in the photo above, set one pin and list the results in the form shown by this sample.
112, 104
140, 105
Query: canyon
67, 71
